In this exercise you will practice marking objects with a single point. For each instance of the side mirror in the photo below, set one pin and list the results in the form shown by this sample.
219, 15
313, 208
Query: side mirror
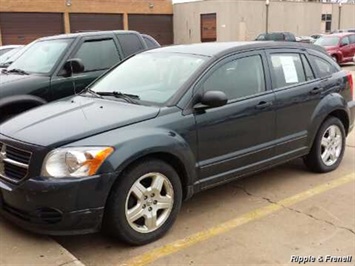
73, 66
211, 99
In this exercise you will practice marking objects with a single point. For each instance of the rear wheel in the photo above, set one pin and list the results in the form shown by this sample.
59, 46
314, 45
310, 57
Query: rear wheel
144, 204
328, 147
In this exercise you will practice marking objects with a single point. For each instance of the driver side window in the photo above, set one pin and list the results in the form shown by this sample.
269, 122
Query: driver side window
240, 78
345, 41
98, 54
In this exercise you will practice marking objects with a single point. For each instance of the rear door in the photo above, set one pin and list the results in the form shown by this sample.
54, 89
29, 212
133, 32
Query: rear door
298, 92
346, 48
98, 54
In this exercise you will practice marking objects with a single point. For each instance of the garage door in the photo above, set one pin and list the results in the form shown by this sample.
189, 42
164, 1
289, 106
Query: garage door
91, 22
158, 26
22, 28
208, 28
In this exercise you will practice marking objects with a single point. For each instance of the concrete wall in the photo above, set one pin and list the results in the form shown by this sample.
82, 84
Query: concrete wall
244, 20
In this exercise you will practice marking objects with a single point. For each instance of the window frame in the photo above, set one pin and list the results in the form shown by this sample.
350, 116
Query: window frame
299, 52
198, 90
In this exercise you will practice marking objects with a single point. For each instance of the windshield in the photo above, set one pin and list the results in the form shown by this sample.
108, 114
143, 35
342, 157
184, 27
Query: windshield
5, 57
41, 56
153, 77
327, 41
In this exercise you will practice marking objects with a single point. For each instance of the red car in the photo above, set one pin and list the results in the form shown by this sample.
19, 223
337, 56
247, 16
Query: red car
340, 46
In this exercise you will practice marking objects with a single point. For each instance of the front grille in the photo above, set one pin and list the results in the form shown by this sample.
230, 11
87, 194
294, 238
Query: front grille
14, 163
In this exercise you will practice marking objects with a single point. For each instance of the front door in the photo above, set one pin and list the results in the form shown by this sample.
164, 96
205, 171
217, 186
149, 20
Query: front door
97, 54
237, 137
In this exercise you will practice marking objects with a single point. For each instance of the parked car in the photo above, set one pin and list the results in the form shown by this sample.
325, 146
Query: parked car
340, 46
317, 36
276, 36
343, 30
168, 123
7, 58
59, 66
7, 48
305, 39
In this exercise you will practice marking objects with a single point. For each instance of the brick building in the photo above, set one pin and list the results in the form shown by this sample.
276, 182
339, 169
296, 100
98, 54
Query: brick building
22, 21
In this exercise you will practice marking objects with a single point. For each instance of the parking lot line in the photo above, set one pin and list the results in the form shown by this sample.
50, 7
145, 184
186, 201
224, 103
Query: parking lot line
176, 246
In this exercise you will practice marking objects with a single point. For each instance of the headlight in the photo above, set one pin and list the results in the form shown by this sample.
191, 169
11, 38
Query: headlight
75, 161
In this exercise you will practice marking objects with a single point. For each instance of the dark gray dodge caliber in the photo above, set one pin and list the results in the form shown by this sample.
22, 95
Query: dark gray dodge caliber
167, 123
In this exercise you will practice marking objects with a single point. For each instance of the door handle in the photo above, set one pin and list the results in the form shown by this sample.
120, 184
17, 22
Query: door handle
263, 105
316, 90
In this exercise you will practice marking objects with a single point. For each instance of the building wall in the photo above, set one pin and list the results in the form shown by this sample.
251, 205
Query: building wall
244, 20
66, 7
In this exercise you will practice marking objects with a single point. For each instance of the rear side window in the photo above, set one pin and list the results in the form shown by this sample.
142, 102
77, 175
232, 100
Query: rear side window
287, 70
324, 67
352, 38
149, 42
98, 54
307, 68
130, 44
239, 78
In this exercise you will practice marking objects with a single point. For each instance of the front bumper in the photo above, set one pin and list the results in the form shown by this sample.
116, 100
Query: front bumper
57, 206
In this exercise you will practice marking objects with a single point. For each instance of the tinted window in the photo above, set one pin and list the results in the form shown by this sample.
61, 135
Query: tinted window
98, 55
324, 67
352, 38
239, 78
130, 43
287, 70
149, 42
307, 68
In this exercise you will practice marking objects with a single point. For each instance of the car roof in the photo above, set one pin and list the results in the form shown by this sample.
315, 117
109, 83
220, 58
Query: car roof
86, 33
340, 34
219, 48
10, 46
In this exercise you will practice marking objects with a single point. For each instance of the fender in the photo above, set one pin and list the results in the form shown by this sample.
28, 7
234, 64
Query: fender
18, 99
132, 144
330, 103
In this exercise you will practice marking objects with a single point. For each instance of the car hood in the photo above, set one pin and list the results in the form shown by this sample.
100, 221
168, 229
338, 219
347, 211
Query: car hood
328, 48
74, 118
9, 78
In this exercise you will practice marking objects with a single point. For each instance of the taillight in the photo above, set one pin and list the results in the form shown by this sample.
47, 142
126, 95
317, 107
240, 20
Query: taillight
351, 85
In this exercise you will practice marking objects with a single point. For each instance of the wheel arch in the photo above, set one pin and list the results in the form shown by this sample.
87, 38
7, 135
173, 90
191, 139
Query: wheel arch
332, 105
17, 100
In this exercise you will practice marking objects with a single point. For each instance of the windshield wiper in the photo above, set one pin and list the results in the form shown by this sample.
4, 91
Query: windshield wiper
94, 93
16, 70
130, 98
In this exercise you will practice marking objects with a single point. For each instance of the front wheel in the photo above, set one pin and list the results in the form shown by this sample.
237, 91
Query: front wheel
144, 203
328, 147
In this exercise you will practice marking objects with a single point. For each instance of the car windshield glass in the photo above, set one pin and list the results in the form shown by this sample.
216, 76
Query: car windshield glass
152, 77
6, 56
41, 56
327, 41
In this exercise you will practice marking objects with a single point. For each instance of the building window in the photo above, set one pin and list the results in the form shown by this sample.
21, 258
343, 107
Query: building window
327, 18
208, 27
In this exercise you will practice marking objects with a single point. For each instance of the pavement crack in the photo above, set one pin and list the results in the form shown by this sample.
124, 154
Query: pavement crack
350, 146
69, 262
294, 210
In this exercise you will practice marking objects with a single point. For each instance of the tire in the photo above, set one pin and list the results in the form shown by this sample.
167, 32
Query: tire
335, 59
144, 203
328, 147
